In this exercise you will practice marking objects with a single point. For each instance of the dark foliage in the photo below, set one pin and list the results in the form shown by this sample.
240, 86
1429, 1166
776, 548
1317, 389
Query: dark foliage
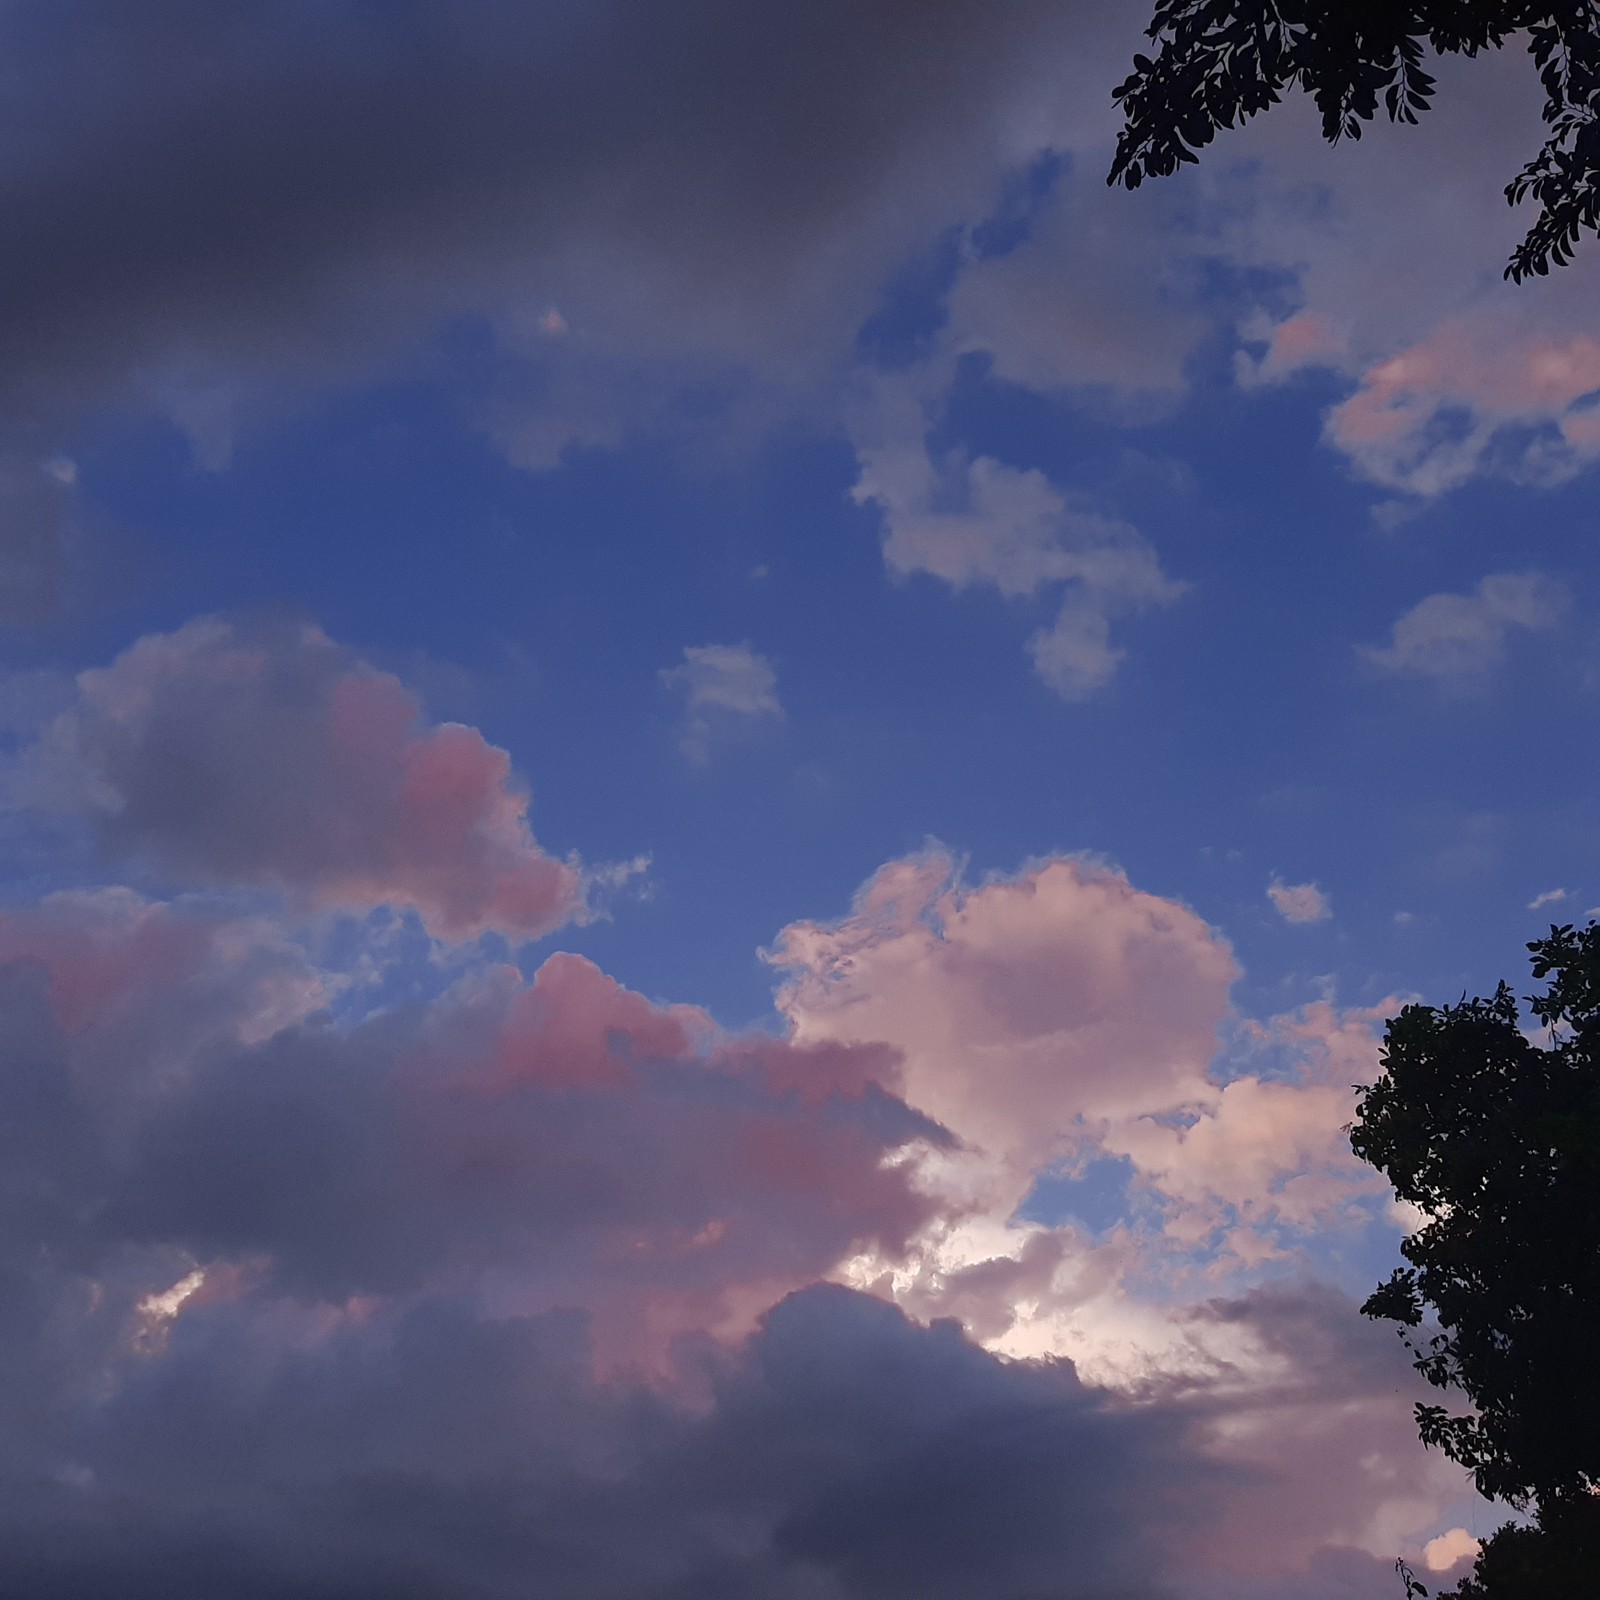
1552, 1561
1497, 1140
1219, 62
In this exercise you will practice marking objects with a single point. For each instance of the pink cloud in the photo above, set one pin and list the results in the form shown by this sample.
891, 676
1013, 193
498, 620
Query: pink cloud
553, 1142
1024, 1008
515, 1151
1267, 1150
1299, 902
266, 755
114, 962
1516, 391
1307, 339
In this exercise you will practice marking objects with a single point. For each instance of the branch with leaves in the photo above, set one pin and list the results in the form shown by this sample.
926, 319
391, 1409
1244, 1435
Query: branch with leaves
1218, 63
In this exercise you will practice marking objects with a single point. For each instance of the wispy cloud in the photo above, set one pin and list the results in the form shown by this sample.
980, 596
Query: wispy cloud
1456, 638
722, 682
973, 520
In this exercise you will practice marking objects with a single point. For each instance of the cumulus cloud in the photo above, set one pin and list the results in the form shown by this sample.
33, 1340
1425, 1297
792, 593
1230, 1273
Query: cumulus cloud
265, 754
1057, 1018
720, 682
308, 1306
1393, 248
430, 1452
1013, 1003
560, 1138
1267, 1150
1457, 638
1450, 1549
1299, 902
307, 1291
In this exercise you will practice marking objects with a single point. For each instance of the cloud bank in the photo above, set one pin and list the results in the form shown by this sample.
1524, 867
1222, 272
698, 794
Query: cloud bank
532, 1278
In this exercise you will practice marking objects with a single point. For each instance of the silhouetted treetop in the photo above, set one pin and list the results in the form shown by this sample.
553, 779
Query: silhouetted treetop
1495, 1138
1219, 62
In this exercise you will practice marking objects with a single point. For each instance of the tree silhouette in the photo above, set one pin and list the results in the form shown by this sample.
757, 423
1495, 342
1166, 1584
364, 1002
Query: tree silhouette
1495, 1138
1220, 62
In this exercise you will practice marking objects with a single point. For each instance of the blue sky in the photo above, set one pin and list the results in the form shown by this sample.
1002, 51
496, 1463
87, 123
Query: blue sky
1004, 684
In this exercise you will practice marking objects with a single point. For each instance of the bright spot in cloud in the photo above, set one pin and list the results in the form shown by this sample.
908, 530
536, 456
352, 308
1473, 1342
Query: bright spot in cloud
169, 1302
1443, 1553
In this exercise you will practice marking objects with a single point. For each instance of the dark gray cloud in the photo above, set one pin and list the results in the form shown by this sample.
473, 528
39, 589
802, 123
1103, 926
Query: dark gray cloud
199, 193
39, 537
439, 1247
842, 1452
348, 1409
586, 1146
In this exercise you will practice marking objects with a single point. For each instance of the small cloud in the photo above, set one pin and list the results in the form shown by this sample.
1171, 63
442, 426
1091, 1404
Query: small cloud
1551, 897
721, 682
552, 324
1458, 637
604, 883
1441, 1554
973, 521
1299, 902
1404, 918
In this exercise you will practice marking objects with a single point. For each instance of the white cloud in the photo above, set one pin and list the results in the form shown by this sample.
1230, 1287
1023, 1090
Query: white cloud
721, 682
974, 520
1299, 902
1458, 637
1443, 1553
1551, 897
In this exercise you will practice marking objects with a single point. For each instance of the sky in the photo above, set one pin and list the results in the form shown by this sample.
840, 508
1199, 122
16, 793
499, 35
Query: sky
714, 781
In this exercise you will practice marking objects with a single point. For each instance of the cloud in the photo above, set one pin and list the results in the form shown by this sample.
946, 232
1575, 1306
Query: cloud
694, 198
264, 754
559, 1140
721, 682
1457, 638
308, 1306
976, 520
309, 1292
1056, 1019
1309, 1399
1450, 1549
1468, 399
362, 1309
430, 1452
1267, 1151
40, 538
1098, 303
1022, 1007
1550, 897
1299, 902
1392, 249
332, 1267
